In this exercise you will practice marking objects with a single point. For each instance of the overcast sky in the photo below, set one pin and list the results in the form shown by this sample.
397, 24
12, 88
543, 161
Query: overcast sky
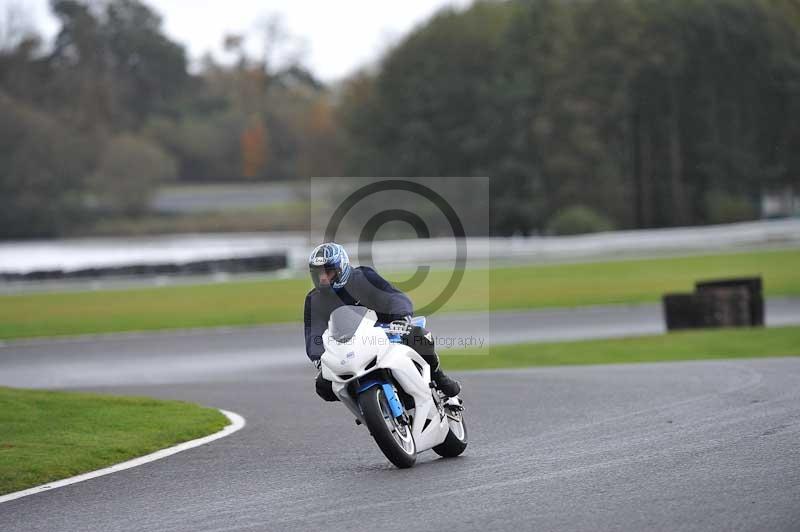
338, 37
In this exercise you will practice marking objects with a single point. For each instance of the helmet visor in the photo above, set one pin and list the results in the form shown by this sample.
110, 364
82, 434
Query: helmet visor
324, 276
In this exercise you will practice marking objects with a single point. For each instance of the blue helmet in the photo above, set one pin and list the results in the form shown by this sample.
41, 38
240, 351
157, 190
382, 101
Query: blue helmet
329, 261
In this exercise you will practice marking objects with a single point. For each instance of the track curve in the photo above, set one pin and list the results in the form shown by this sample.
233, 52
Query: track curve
677, 446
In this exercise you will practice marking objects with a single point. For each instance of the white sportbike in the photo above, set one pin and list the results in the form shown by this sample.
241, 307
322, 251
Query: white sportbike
387, 386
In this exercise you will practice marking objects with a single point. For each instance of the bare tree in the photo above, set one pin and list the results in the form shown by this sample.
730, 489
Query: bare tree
16, 26
281, 50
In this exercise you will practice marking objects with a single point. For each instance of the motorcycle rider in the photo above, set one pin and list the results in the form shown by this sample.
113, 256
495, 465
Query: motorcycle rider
337, 283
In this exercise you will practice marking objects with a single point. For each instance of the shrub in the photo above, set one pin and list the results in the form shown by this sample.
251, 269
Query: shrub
578, 219
129, 171
722, 208
42, 169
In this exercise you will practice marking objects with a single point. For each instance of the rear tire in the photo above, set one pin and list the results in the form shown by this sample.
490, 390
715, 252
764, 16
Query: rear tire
378, 419
456, 441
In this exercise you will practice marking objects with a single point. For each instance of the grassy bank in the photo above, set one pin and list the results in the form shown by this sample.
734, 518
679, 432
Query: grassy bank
47, 435
693, 345
281, 300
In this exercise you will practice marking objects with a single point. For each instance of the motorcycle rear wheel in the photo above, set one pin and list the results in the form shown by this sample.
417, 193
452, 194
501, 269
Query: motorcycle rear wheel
393, 438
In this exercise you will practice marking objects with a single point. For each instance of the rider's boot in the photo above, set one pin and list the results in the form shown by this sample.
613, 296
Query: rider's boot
448, 386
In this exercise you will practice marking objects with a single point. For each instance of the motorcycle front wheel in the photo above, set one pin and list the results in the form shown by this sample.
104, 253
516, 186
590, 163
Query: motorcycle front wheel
393, 437
456, 441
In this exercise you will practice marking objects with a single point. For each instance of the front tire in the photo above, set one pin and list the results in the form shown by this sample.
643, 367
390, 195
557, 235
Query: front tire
456, 441
393, 439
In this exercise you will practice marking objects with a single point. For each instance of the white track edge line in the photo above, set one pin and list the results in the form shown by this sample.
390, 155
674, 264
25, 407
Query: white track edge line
237, 422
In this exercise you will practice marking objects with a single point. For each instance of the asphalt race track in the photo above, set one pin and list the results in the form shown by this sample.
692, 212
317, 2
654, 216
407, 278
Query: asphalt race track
707, 445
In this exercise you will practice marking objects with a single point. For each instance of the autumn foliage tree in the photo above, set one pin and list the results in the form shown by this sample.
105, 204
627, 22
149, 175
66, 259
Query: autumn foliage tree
254, 149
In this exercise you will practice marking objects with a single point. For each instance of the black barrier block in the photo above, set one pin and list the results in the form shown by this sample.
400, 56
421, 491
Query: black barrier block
725, 307
753, 285
682, 311
717, 303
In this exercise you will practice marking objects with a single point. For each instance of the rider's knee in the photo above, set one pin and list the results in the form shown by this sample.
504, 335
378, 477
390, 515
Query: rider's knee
421, 341
420, 336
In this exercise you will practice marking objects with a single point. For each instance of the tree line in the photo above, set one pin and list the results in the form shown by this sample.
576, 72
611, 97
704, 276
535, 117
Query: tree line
586, 115
606, 113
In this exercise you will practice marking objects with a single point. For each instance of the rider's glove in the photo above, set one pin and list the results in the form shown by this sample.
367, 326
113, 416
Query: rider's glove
402, 326
317, 363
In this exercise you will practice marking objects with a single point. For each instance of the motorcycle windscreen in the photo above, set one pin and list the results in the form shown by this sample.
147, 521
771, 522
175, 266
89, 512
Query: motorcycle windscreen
345, 320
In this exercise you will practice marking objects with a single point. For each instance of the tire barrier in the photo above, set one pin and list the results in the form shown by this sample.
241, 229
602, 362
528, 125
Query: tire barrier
717, 303
259, 263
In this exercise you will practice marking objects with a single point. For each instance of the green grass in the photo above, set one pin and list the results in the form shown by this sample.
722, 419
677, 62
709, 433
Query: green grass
693, 345
45, 436
281, 300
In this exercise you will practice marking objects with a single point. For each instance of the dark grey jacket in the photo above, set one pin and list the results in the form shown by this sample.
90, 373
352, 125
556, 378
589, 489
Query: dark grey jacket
365, 288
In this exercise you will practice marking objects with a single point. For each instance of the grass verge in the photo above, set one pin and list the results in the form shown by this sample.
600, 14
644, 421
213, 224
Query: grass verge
691, 345
281, 300
46, 436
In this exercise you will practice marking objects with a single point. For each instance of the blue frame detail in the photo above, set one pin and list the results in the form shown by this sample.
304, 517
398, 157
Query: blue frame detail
367, 385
